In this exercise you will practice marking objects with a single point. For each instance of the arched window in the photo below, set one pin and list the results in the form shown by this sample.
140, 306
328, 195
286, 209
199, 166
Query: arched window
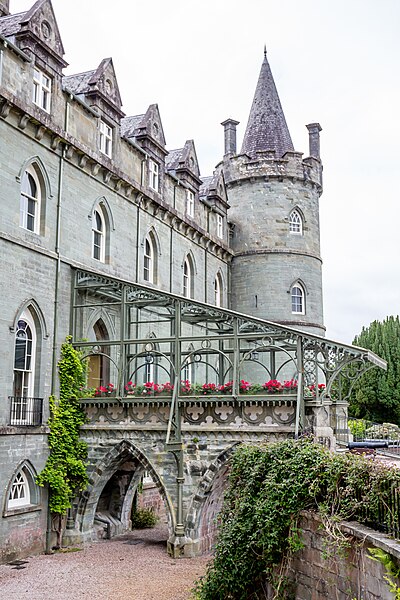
24, 356
99, 364
150, 259
295, 222
29, 215
22, 491
298, 299
218, 290
19, 493
99, 235
188, 283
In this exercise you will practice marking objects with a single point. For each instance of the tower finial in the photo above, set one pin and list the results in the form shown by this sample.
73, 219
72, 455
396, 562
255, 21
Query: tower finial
265, 50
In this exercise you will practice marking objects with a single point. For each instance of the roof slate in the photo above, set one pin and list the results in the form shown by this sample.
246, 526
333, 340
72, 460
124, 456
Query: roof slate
266, 128
78, 83
173, 158
130, 124
11, 24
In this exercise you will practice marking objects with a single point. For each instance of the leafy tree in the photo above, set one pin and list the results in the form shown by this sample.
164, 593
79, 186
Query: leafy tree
376, 395
65, 471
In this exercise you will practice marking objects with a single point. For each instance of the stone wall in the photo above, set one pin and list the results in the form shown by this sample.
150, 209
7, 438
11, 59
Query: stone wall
320, 572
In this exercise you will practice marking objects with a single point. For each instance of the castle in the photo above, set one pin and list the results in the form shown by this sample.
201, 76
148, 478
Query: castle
86, 189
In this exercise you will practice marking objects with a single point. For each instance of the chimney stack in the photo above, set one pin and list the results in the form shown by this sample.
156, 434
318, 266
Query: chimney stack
230, 135
313, 138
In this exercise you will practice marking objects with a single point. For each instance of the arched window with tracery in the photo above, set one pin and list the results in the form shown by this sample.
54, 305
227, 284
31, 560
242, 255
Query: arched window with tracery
22, 491
295, 222
298, 299
30, 201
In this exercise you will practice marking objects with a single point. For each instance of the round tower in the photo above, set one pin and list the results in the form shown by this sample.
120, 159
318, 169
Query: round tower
274, 214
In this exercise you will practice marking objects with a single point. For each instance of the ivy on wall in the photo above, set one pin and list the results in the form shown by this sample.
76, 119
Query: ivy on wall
269, 485
65, 470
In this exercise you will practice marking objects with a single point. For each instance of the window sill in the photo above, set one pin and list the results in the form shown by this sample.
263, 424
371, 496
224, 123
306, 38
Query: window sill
24, 430
30, 508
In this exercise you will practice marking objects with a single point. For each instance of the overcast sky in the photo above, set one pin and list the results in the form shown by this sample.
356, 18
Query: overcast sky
335, 62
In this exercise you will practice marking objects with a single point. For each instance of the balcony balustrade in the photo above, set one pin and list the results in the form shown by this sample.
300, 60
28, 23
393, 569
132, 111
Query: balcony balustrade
26, 411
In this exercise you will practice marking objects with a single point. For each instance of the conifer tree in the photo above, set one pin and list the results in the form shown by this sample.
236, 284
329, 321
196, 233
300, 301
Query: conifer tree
376, 395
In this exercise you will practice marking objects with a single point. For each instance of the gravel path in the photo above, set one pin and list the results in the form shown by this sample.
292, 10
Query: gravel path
134, 566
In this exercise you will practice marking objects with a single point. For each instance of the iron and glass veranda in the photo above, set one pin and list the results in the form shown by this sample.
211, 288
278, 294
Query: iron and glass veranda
148, 346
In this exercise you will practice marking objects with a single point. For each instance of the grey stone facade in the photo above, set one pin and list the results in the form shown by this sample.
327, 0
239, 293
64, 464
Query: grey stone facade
89, 161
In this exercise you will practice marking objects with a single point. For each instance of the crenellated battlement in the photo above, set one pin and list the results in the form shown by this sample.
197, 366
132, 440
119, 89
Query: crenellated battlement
292, 165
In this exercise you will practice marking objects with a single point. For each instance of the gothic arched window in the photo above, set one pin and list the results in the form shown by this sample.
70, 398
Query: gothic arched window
24, 356
99, 364
218, 290
22, 491
298, 299
150, 259
295, 222
31, 192
188, 283
99, 235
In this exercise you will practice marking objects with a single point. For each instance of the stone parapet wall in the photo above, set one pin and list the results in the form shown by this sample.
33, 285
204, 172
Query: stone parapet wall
321, 571
268, 165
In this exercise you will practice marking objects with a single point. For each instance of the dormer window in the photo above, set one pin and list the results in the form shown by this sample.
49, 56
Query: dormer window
220, 226
189, 203
41, 90
105, 139
153, 175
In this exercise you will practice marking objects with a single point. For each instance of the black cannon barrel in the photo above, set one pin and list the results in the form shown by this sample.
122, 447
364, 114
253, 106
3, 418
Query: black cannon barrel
371, 444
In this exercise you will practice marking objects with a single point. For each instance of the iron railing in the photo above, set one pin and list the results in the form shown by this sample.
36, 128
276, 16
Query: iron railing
384, 516
25, 411
361, 430
360, 435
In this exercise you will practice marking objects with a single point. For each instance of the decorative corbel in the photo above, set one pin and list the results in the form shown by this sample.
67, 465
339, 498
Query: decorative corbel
106, 175
70, 152
83, 160
40, 131
23, 121
5, 108
95, 168
55, 142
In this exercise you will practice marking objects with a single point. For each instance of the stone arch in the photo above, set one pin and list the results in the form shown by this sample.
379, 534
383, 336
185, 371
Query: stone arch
300, 282
102, 202
152, 232
190, 256
37, 163
37, 314
207, 502
100, 315
101, 474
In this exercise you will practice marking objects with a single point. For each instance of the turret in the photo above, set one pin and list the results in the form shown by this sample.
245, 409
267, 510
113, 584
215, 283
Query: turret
274, 197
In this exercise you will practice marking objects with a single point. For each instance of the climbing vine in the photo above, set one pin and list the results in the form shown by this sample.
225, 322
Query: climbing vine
65, 471
269, 485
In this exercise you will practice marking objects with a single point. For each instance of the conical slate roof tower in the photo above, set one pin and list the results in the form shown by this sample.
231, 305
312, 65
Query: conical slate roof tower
266, 128
274, 213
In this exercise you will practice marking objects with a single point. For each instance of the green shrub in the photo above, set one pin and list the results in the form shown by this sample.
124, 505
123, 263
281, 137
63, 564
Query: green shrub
144, 518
